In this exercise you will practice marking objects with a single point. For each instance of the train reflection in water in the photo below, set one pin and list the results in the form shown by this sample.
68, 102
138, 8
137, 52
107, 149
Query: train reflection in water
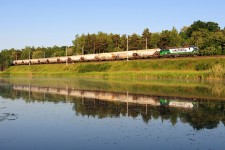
110, 96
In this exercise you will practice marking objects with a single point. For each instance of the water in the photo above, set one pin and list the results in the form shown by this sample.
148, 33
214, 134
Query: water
98, 114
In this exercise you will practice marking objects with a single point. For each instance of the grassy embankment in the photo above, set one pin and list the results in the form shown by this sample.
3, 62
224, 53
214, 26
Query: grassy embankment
182, 68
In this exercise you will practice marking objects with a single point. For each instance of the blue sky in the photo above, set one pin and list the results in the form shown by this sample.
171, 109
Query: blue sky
56, 22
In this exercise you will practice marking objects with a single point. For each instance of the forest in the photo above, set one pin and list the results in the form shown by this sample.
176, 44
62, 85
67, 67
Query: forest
208, 36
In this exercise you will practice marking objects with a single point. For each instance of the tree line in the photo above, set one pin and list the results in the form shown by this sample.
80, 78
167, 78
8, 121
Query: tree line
208, 36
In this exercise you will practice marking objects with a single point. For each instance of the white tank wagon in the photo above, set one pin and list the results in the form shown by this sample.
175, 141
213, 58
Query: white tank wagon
122, 55
42, 61
150, 53
89, 57
106, 56
64, 59
21, 62
52, 60
34, 61
75, 58
18, 62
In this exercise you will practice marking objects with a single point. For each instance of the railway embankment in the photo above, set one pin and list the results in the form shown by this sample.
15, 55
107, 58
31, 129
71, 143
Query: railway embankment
174, 68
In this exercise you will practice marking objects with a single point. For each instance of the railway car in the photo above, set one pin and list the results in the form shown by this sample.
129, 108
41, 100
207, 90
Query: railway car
42, 61
178, 51
76, 58
21, 62
89, 57
105, 57
148, 53
62, 59
53, 60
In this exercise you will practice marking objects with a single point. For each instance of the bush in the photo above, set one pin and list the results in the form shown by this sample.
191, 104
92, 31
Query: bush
94, 67
217, 71
212, 50
202, 66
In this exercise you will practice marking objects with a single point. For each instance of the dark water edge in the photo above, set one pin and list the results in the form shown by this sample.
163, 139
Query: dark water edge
97, 114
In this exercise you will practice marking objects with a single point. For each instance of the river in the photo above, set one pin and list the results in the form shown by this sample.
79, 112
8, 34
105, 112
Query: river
69, 113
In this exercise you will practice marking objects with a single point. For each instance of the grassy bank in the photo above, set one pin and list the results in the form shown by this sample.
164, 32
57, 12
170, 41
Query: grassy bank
185, 68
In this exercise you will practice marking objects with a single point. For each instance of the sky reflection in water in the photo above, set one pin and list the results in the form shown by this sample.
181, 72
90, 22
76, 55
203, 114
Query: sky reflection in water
70, 116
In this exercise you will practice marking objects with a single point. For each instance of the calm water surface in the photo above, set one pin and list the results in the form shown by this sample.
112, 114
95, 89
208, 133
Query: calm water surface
98, 114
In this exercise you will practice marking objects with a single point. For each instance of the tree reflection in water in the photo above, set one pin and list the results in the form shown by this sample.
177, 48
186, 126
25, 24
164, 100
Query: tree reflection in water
198, 112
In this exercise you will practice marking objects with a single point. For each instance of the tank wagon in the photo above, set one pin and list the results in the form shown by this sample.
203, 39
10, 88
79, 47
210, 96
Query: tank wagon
122, 55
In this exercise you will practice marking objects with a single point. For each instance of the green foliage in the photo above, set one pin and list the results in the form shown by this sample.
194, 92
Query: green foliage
146, 35
6, 58
197, 25
209, 43
155, 39
25, 53
164, 39
94, 67
218, 71
211, 51
135, 42
202, 66
38, 54
169, 39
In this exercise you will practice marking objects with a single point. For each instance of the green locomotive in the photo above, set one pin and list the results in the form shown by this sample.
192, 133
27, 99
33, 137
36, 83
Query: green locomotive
178, 51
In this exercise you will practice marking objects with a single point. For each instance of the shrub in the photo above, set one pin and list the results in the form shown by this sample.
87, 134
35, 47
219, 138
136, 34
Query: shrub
217, 71
94, 67
202, 66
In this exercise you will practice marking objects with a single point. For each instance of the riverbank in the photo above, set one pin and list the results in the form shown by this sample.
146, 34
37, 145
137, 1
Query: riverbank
173, 68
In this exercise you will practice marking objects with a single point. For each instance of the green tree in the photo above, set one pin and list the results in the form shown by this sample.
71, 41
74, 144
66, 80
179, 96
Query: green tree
184, 37
27, 52
212, 26
78, 44
197, 25
199, 38
38, 54
209, 43
70, 51
59, 51
175, 39
135, 42
115, 42
6, 58
165, 39
155, 40
146, 35
102, 42
123, 42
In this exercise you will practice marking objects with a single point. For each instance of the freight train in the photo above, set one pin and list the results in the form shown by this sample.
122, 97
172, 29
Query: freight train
122, 55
